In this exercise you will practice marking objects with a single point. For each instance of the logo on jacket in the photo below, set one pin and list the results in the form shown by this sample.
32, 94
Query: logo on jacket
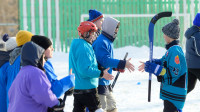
167, 53
177, 61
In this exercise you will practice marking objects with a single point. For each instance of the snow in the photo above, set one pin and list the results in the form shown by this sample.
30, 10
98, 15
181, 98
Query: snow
131, 89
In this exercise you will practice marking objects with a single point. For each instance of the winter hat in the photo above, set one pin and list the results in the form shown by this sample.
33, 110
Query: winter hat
5, 37
10, 43
42, 41
94, 15
197, 20
172, 29
22, 37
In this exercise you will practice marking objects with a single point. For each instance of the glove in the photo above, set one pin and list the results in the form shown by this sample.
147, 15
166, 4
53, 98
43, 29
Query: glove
57, 108
179, 110
156, 61
153, 68
120, 70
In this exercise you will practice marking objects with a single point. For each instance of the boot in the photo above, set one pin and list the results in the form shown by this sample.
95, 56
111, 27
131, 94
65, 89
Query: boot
114, 110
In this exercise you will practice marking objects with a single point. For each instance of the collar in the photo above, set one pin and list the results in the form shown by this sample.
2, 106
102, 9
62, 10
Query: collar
175, 42
108, 36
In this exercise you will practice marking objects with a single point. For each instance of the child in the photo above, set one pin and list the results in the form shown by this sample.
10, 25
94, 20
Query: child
59, 87
30, 91
97, 18
82, 61
171, 70
193, 53
103, 48
21, 38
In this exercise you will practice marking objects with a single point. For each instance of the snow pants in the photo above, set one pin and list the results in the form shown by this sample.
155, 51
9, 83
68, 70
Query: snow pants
169, 107
108, 102
193, 75
86, 98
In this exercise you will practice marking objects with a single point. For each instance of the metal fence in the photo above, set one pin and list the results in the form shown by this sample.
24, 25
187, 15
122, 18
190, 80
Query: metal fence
59, 19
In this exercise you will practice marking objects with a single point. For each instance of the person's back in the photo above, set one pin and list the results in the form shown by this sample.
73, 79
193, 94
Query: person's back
4, 64
83, 62
9, 45
193, 47
31, 87
14, 67
80, 53
193, 52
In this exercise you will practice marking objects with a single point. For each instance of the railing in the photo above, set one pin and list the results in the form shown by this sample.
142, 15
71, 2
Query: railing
59, 19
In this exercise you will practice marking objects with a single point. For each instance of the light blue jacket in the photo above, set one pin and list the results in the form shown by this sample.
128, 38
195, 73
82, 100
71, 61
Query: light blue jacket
174, 82
83, 62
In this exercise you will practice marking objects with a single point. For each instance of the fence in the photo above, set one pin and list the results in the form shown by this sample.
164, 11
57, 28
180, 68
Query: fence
59, 19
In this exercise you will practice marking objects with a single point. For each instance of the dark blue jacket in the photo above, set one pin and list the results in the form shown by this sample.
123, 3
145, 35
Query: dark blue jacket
193, 47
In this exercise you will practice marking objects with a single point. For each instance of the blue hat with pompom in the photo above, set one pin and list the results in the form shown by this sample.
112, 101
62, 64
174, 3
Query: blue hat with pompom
94, 15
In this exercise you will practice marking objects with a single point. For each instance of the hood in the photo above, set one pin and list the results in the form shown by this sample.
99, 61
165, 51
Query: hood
14, 54
191, 31
4, 57
109, 26
31, 54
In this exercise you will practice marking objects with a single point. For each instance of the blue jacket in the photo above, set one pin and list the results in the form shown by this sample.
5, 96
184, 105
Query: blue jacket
4, 64
174, 82
13, 69
83, 62
193, 47
59, 87
103, 47
3, 82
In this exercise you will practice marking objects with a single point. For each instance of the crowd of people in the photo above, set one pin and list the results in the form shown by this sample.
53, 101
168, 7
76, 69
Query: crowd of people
28, 82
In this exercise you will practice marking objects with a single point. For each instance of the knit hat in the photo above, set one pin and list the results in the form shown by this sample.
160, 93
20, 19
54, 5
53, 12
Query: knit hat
94, 15
197, 20
22, 37
10, 43
5, 37
172, 29
42, 41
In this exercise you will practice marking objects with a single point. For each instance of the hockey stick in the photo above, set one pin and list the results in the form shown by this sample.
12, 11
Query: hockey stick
151, 32
115, 80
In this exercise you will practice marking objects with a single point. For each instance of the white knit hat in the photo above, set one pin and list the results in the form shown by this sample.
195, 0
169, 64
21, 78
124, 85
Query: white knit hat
10, 43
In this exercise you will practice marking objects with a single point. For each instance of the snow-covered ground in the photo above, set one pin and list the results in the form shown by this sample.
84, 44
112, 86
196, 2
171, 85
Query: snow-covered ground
131, 88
